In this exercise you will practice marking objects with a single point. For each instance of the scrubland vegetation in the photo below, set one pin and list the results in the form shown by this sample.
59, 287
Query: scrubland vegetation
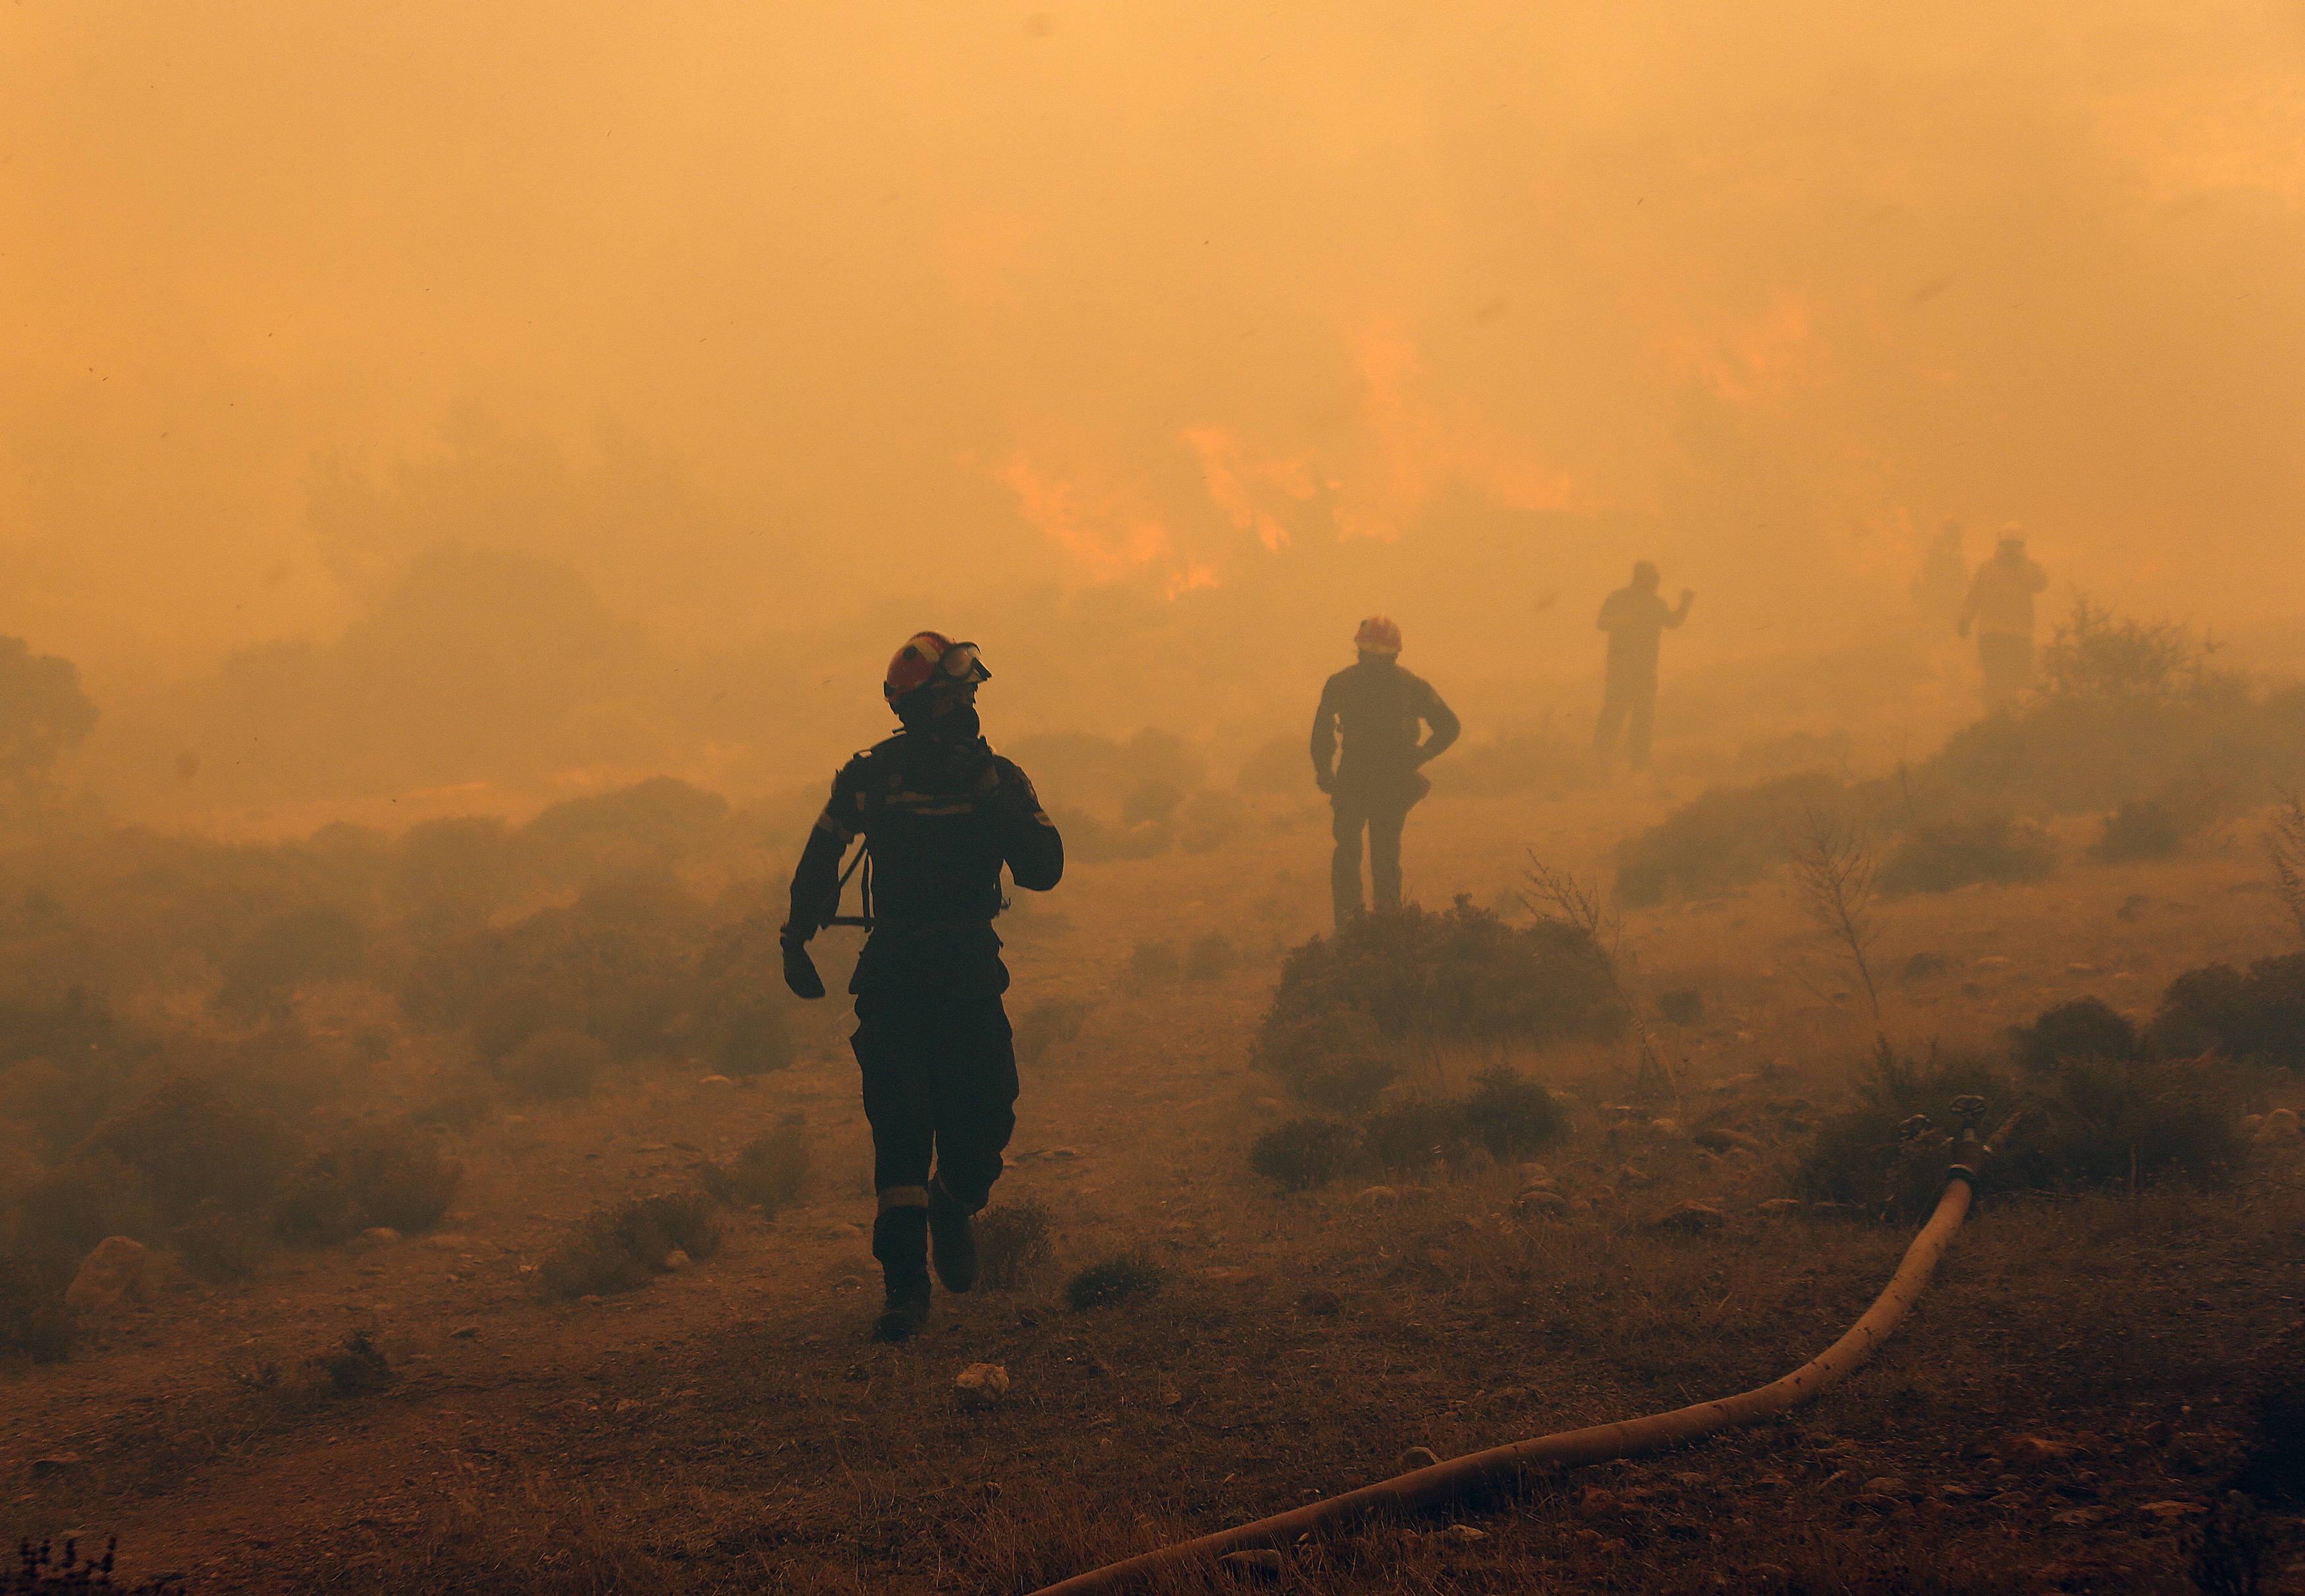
507, 1225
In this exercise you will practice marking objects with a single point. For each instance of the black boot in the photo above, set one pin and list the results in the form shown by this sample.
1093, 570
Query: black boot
900, 1241
952, 1239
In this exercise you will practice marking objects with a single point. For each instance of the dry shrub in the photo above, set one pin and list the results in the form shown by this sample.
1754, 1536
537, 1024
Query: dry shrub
192, 1144
2086, 1122
620, 1248
1334, 1059
1210, 957
1305, 1154
362, 1177
1941, 856
2086, 1029
1512, 1117
1014, 1242
2257, 1017
356, 1368
1682, 1006
1407, 1138
1723, 838
288, 952
1115, 1279
2141, 828
1463, 975
556, 1065
769, 1173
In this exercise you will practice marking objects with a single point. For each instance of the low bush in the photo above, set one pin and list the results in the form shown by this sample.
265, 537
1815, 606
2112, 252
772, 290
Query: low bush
769, 1173
1209, 958
1682, 1006
59, 1216
1407, 1138
2086, 1029
1305, 1154
2259, 1016
1463, 975
2085, 1123
620, 1248
1153, 964
1941, 856
356, 1368
2141, 828
1014, 1242
362, 1177
193, 1144
1512, 1117
1115, 1279
1335, 1059
289, 952
1723, 838
556, 1065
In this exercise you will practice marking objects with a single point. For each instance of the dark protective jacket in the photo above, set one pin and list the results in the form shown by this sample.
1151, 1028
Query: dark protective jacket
1636, 620
943, 815
1377, 708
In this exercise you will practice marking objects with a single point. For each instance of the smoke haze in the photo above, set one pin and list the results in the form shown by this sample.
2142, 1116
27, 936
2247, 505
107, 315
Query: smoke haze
413, 397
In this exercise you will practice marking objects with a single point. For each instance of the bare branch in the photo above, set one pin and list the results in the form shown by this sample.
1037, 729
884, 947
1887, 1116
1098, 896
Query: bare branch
1839, 883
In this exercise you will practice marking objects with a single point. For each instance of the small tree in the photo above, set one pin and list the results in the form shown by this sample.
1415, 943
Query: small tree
43, 715
1838, 881
1563, 899
2285, 842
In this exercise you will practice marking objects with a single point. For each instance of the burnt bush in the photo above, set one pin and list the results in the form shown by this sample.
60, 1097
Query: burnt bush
771, 1172
1940, 856
1723, 838
2259, 1016
2084, 1030
1512, 1117
1014, 1242
362, 1177
556, 1065
620, 1248
1305, 1154
355, 1367
1463, 975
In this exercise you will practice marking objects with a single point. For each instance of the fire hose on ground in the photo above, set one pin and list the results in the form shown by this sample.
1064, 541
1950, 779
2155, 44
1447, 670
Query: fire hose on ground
1439, 1484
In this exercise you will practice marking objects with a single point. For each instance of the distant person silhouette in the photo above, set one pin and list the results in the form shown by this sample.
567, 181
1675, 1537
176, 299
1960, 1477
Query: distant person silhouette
941, 814
1380, 711
2000, 608
1635, 619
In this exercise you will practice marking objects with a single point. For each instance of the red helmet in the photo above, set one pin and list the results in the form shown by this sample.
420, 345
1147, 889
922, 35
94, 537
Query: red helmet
1378, 635
927, 659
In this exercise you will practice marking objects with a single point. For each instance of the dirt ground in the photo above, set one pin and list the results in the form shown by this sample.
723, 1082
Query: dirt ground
2056, 1415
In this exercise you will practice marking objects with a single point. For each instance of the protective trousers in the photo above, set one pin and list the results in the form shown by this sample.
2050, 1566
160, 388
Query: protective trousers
1628, 705
939, 1068
1383, 820
2007, 658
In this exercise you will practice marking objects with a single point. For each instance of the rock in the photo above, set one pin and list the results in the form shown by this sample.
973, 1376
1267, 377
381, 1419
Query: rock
982, 1385
1664, 1127
2034, 1448
676, 1261
1228, 1277
1414, 1458
377, 1236
1593, 1502
1722, 1138
1633, 1174
1376, 1195
1889, 1485
1464, 1534
716, 1081
2081, 1519
465, 1332
2167, 1511
1780, 1208
107, 1277
2279, 1125
1259, 1564
45, 1468
1871, 1502
1692, 1219
1541, 1201
1061, 1154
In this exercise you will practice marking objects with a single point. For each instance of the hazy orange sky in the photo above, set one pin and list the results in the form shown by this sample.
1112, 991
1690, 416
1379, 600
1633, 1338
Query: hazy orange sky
762, 317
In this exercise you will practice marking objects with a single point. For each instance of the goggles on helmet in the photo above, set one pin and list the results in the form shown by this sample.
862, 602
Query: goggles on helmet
961, 663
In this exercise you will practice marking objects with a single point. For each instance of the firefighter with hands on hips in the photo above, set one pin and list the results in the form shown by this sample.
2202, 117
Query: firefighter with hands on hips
940, 814
1379, 712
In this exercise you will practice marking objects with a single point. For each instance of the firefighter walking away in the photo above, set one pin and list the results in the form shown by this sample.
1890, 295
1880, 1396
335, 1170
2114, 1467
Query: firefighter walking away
940, 814
1379, 712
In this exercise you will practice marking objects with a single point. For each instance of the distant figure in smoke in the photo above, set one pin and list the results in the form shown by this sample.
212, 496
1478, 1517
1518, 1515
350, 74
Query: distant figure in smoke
1635, 619
2001, 608
1381, 711
940, 813
1940, 586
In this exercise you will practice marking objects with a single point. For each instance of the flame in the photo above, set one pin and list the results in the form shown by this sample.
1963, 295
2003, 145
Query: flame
1756, 360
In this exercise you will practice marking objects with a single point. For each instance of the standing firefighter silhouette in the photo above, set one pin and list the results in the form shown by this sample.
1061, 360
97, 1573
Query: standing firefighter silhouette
1379, 709
2000, 607
1636, 618
940, 813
